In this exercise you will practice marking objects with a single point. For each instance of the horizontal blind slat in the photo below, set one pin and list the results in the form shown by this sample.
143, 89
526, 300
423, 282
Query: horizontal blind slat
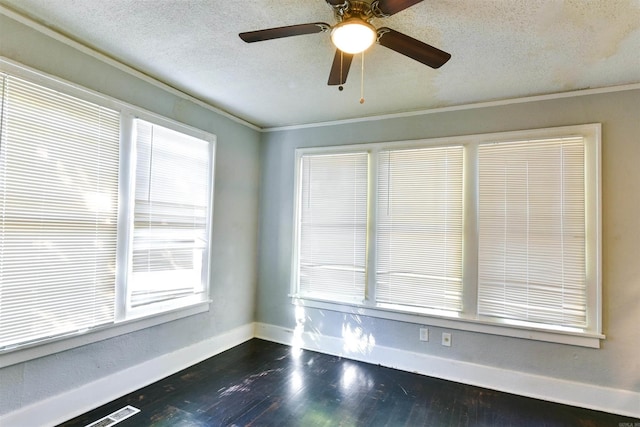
332, 225
58, 193
419, 228
532, 231
170, 215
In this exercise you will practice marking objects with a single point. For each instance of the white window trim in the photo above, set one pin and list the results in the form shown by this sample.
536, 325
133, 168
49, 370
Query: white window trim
469, 320
125, 226
143, 318
70, 341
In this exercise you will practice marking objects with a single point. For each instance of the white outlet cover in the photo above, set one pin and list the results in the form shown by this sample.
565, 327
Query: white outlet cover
424, 334
446, 339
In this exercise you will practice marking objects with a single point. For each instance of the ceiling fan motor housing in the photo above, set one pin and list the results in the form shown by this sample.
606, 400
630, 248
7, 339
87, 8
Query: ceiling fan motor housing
354, 9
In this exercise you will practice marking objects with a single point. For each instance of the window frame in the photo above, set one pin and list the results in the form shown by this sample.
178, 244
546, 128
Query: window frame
126, 206
299, 196
450, 150
123, 322
469, 319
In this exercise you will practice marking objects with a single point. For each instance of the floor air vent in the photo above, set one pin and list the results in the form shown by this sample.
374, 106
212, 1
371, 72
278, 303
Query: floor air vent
115, 418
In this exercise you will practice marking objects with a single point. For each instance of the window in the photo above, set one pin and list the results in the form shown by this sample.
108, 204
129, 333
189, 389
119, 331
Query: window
419, 228
104, 217
170, 233
333, 226
491, 233
58, 207
532, 232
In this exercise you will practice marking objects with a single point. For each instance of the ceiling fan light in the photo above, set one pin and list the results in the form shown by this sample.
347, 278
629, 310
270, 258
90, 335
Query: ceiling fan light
353, 35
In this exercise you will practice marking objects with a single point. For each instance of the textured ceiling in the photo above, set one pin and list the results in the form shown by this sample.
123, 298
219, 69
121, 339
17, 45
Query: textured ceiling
500, 49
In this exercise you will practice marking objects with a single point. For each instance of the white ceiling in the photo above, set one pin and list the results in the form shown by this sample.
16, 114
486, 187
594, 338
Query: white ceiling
500, 49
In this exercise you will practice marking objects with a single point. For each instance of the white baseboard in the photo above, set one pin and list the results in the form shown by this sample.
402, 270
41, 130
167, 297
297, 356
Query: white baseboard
72, 403
589, 396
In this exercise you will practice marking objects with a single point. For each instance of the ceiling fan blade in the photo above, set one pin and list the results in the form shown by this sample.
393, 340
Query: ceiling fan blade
390, 7
335, 2
340, 68
288, 31
415, 49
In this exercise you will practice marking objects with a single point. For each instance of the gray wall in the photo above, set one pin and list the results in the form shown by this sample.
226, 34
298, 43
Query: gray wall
234, 249
245, 158
616, 364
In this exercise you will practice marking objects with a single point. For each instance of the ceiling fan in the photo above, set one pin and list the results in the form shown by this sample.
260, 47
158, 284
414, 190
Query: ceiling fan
354, 33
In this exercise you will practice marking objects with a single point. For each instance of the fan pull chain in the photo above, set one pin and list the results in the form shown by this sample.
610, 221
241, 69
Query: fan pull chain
341, 75
362, 79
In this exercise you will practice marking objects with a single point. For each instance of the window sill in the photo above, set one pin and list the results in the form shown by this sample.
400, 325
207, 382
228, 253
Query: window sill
55, 345
458, 322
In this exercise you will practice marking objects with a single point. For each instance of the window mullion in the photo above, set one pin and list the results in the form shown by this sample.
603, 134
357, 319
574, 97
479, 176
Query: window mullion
370, 290
126, 185
470, 224
294, 288
593, 225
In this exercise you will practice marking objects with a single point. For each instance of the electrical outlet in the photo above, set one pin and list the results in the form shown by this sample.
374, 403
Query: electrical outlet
446, 339
424, 334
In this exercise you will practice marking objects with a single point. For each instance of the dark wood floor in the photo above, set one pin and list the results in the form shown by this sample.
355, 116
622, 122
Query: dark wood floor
260, 383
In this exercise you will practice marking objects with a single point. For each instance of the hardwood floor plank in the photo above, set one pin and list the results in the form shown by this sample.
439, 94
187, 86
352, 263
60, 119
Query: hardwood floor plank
261, 383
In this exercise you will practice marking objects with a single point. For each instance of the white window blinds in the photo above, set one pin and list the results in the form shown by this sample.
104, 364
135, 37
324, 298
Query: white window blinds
532, 231
170, 233
58, 204
333, 226
419, 227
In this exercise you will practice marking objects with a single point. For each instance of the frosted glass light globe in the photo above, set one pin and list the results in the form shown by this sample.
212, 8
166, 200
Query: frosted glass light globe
353, 35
